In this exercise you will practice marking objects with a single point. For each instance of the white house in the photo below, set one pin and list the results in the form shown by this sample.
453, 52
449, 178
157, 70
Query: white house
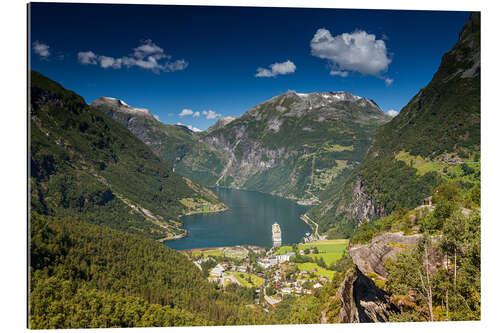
217, 270
285, 257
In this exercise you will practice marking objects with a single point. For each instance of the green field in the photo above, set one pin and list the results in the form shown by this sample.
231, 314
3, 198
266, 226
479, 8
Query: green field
257, 281
450, 172
331, 250
207, 253
235, 253
309, 266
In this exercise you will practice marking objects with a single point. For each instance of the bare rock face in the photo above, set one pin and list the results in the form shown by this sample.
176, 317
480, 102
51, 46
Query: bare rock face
371, 258
362, 301
135, 119
362, 206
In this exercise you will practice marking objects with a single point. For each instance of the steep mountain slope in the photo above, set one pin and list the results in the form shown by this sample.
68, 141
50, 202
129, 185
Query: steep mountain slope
293, 145
87, 166
435, 137
167, 141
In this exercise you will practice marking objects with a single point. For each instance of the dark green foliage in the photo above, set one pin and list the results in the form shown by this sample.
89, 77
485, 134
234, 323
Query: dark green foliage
82, 275
207, 266
460, 242
84, 164
476, 195
395, 184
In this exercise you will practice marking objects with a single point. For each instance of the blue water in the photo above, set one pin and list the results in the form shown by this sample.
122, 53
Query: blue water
247, 222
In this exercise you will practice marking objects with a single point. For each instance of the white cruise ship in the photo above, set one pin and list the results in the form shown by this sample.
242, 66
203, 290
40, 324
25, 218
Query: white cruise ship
276, 232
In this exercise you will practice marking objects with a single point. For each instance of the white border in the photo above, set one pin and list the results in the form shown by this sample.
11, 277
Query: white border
13, 162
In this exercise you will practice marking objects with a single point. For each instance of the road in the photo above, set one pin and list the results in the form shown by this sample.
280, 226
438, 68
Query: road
306, 219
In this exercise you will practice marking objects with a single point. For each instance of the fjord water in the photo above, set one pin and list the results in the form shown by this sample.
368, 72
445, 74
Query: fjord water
247, 222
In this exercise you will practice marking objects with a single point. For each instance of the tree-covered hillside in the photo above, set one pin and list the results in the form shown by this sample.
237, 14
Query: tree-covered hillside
85, 165
84, 276
435, 138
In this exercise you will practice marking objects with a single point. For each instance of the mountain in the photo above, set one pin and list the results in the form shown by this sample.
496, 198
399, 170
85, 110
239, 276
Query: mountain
87, 166
293, 145
167, 141
221, 122
435, 138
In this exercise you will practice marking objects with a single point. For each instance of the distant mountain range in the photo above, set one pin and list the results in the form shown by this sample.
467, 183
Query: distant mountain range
294, 145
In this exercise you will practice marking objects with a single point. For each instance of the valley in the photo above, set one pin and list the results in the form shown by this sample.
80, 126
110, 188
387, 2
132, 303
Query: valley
298, 146
247, 221
138, 223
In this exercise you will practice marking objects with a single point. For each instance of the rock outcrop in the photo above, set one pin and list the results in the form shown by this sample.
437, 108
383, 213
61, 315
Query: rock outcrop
362, 301
372, 258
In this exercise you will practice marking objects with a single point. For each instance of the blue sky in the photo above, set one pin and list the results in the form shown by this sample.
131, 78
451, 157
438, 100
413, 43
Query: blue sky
173, 58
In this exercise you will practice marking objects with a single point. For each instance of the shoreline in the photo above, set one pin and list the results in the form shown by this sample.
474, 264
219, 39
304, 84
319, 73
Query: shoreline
186, 232
202, 249
210, 212
300, 202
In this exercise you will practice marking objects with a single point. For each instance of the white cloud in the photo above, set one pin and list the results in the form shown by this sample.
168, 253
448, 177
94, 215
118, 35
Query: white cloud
392, 113
210, 114
358, 51
388, 81
41, 49
87, 58
149, 49
177, 65
277, 68
146, 56
339, 73
106, 62
192, 128
185, 112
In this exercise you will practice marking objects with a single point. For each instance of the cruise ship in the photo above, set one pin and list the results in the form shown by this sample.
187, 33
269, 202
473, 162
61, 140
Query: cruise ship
276, 232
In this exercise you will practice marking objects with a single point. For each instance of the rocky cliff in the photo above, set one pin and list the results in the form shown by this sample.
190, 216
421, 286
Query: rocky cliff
362, 301
371, 258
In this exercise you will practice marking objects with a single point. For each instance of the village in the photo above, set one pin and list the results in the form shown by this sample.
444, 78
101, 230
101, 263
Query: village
276, 273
